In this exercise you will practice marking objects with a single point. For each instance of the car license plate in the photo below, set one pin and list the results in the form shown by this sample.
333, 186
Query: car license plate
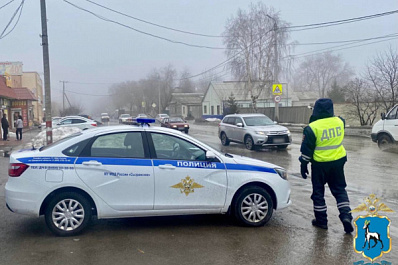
278, 140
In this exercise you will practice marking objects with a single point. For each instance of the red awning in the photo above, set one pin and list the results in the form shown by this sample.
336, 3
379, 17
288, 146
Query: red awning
22, 93
5, 91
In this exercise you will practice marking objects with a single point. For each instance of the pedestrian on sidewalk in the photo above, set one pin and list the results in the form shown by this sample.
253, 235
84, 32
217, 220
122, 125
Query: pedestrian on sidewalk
19, 125
323, 146
5, 125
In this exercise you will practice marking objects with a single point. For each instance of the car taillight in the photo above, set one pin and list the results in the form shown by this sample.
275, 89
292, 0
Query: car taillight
16, 169
93, 124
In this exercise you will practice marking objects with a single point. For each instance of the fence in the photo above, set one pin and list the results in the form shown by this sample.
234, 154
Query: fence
298, 114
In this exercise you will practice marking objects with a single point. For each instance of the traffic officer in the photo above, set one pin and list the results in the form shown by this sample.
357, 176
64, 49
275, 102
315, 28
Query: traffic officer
323, 146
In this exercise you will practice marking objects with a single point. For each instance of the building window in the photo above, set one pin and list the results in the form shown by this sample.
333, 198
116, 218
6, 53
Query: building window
218, 109
205, 109
212, 110
183, 110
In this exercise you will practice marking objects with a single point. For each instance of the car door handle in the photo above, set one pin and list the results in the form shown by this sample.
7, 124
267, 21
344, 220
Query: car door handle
92, 163
167, 166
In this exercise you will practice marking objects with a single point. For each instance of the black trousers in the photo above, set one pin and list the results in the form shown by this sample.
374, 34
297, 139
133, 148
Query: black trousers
19, 133
333, 175
5, 133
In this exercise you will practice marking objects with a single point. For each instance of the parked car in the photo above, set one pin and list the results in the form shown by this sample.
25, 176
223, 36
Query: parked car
76, 121
123, 118
175, 123
385, 131
253, 130
105, 117
161, 116
129, 171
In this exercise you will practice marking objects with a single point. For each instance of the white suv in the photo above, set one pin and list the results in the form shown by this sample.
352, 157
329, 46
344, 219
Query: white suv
253, 130
385, 131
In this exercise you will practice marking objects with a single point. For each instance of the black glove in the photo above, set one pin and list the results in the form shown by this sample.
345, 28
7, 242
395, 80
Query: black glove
304, 170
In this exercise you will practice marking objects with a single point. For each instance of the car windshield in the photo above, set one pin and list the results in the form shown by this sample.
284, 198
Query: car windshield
172, 120
67, 138
258, 121
124, 115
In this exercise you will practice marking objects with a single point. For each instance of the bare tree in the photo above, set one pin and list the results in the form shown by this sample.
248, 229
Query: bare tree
203, 83
185, 83
364, 99
382, 72
319, 72
249, 39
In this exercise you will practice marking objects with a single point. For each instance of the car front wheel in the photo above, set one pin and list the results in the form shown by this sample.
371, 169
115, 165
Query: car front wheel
249, 144
68, 213
224, 139
253, 207
384, 141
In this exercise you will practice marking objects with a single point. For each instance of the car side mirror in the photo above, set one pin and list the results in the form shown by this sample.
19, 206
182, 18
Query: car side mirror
210, 156
383, 116
239, 124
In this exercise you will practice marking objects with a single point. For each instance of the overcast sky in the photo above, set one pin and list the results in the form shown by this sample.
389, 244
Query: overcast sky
86, 49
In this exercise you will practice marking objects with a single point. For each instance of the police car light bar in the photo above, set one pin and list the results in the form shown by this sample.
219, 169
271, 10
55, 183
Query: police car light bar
143, 121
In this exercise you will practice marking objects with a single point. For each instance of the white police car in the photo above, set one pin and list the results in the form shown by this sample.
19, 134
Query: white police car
128, 171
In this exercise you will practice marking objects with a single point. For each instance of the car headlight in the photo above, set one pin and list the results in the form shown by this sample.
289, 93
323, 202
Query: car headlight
186, 125
262, 133
174, 126
281, 172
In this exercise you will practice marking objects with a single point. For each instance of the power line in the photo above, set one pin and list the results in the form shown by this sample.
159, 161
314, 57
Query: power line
90, 83
86, 94
6, 4
154, 24
331, 49
20, 8
143, 32
344, 41
339, 22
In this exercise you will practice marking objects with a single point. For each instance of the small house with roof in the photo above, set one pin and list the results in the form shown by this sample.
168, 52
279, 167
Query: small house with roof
186, 105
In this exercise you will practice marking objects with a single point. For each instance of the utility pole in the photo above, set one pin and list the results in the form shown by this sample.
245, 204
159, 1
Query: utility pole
159, 100
63, 95
46, 65
276, 68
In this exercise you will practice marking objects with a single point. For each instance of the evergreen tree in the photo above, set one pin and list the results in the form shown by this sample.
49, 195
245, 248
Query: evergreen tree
231, 106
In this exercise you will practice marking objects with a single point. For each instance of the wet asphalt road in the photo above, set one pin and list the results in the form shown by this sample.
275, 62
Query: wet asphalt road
288, 238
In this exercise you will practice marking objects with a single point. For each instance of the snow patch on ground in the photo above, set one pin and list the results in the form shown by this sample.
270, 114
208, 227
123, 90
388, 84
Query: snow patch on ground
58, 134
213, 120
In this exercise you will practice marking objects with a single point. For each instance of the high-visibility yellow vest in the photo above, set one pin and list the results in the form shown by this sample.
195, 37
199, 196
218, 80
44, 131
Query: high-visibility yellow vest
329, 134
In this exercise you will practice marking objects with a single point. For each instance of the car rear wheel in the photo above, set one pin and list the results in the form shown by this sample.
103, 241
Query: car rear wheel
384, 141
249, 144
253, 207
68, 213
224, 139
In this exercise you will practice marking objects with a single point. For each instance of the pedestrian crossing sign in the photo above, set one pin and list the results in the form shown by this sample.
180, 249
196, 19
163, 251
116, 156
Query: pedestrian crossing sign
277, 89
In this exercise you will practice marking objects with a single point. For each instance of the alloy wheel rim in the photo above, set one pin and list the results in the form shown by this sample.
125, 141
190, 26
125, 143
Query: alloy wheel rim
249, 143
254, 207
224, 139
68, 214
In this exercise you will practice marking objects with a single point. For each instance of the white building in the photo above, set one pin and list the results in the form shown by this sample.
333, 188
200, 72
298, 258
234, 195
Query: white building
218, 93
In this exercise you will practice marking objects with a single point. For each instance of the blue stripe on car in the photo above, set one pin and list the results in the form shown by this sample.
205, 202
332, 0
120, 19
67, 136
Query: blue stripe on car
249, 168
145, 162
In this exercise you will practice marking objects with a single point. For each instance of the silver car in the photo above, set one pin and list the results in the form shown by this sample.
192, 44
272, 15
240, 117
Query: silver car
253, 130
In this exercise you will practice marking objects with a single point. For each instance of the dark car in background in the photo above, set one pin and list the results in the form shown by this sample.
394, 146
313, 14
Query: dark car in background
175, 123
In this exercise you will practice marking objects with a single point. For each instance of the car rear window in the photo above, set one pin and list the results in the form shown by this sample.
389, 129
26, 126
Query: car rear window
258, 121
63, 140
